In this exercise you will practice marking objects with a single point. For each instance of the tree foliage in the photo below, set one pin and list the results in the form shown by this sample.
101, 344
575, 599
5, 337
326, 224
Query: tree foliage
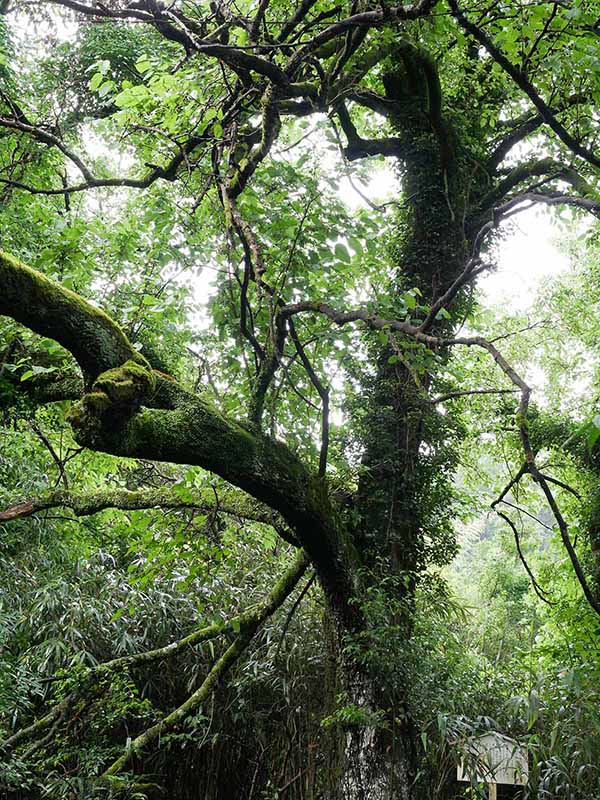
219, 376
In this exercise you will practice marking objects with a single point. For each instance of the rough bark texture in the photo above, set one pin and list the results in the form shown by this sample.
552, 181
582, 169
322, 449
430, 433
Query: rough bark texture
394, 508
379, 762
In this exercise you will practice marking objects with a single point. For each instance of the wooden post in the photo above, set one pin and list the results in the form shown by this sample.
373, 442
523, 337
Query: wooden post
493, 794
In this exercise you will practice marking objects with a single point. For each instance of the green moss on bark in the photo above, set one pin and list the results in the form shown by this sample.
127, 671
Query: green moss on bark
46, 307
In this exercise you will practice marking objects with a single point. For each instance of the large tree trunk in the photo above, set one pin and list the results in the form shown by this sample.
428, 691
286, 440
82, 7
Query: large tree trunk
368, 754
380, 763
398, 503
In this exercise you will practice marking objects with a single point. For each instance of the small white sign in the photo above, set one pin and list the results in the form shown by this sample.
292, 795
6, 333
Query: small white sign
494, 758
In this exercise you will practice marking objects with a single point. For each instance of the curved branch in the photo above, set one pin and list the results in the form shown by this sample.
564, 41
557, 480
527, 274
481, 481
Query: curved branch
29, 297
549, 167
359, 147
114, 417
536, 586
46, 138
369, 19
525, 85
549, 199
167, 173
170, 26
247, 623
323, 392
526, 125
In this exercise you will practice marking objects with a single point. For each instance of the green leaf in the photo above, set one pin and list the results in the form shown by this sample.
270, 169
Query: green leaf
143, 64
96, 80
131, 97
341, 252
37, 370
592, 434
102, 66
409, 300
106, 88
356, 245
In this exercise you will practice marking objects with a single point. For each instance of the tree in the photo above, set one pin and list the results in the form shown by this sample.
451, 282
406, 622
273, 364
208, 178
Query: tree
481, 113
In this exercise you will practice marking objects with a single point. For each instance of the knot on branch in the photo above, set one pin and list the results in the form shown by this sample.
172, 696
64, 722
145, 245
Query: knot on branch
114, 396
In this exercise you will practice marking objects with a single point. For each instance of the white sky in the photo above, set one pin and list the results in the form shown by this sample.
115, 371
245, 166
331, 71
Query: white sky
527, 258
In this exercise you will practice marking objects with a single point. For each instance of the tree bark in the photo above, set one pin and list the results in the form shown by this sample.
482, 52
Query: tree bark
380, 764
395, 500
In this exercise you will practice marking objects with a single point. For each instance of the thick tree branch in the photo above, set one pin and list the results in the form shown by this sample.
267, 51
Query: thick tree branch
114, 417
29, 297
84, 504
359, 147
547, 167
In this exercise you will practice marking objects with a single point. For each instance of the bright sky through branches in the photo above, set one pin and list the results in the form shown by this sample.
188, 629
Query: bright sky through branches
527, 256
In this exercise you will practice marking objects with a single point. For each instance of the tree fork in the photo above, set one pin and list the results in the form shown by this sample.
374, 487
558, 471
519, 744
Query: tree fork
115, 416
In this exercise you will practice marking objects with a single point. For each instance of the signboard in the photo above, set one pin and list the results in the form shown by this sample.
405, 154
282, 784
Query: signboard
494, 758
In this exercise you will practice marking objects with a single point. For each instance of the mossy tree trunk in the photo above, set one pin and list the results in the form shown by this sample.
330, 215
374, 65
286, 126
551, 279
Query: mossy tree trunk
399, 501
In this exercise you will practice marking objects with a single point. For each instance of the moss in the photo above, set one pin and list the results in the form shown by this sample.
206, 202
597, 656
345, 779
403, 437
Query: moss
47, 308
114, 397
126, 386
96, 403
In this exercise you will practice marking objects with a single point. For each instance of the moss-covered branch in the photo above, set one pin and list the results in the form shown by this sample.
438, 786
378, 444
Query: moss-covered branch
84, 504
196, 433
29, 297
132, 411
248, 624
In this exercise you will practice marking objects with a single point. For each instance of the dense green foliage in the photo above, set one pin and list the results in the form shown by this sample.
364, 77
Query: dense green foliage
244, 325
